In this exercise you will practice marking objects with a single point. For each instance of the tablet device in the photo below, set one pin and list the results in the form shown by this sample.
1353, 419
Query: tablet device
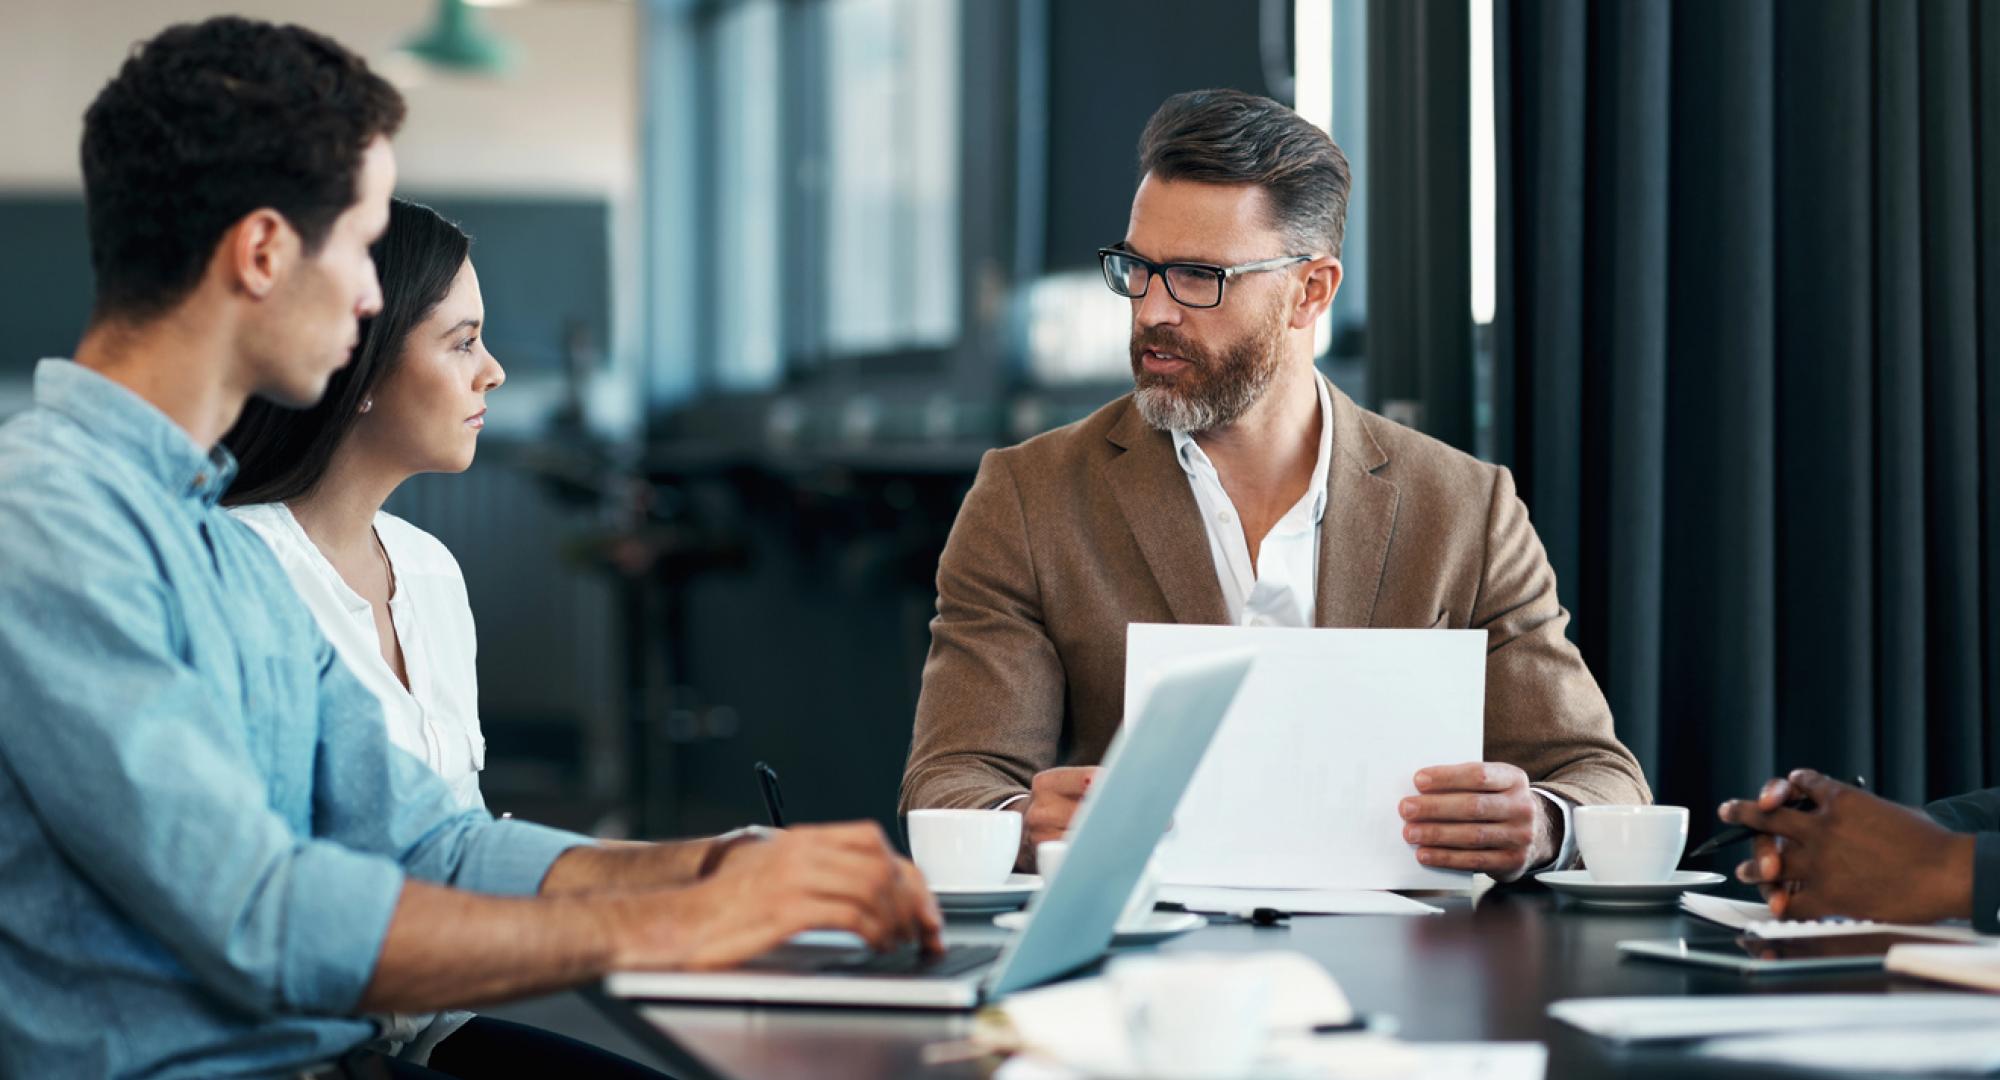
1763, 956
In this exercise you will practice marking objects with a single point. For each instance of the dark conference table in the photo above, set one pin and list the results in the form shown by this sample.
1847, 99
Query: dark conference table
1477, 972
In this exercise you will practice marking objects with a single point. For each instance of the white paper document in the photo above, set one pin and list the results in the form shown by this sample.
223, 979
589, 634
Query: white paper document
1649, 1019
1925, 1050
1212, 899
1352, 1057
1301, 786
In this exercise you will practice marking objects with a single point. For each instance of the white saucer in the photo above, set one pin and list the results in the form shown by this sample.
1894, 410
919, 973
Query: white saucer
1160, 926
1008, 897
1578, 886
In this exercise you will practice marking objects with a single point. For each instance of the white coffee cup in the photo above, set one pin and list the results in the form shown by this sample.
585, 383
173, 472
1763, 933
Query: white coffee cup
1630, 845
964, 849
1193, 1016
1049, 855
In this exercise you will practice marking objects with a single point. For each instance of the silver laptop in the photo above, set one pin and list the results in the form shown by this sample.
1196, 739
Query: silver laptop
1070, 922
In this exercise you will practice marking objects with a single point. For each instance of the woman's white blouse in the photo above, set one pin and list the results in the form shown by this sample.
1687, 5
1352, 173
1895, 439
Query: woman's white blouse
437, 717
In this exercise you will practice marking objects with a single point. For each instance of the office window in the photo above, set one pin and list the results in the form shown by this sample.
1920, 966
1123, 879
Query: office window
891, 258
749, 285
804, 187
1072, 328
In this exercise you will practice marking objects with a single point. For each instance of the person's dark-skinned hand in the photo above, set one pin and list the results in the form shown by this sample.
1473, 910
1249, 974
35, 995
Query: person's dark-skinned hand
1851, 854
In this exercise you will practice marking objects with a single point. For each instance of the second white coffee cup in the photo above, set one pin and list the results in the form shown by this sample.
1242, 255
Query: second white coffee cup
1049, 855
1630, 845
964, 849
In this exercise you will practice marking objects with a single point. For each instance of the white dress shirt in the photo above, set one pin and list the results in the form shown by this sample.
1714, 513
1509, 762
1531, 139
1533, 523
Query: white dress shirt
1278, 589
436, 718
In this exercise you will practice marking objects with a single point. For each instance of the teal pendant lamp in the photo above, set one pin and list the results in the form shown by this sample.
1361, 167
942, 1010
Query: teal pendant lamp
459, 41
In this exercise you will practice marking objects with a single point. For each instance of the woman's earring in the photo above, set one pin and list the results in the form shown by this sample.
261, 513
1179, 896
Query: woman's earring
367, 404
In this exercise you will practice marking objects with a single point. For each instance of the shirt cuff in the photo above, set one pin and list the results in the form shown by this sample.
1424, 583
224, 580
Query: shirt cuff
1565, 858
341, 904
510, 858
1010, 800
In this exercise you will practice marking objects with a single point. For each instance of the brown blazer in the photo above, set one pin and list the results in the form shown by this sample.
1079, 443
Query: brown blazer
1068, 537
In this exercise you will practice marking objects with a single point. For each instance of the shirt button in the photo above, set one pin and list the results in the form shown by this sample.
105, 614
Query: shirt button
1222, 516
200, 479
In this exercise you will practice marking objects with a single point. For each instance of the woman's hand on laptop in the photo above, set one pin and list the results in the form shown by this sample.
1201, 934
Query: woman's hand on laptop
811, 877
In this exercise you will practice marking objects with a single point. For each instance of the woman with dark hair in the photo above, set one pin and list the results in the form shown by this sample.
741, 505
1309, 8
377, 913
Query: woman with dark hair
387, 594
311, 483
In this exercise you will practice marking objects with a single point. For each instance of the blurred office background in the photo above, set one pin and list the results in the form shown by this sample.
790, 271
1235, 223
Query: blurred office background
1720, 280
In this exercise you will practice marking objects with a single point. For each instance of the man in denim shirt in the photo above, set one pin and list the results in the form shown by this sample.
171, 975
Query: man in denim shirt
212, 860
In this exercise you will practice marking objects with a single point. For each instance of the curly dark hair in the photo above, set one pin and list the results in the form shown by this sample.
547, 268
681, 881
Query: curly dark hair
206, 123
1230, 137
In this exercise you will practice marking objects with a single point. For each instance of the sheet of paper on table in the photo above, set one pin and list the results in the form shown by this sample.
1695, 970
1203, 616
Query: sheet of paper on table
1651, 1019
1927, 1050
1213, 899
1301, 786
1356, 1057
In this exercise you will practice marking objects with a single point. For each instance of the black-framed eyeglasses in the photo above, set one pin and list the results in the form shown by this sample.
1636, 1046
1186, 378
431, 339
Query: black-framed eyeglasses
1191, 284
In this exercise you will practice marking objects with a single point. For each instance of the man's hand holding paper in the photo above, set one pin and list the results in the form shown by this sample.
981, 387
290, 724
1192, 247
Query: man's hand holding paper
1480, 816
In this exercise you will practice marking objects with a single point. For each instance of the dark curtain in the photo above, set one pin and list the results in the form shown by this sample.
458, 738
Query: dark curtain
1747, 371
1420, 194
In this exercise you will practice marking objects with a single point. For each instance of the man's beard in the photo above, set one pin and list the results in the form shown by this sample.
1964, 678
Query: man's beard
1213, 391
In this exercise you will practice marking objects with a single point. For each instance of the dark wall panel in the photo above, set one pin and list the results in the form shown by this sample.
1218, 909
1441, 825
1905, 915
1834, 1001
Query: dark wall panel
544, 263
1110, 65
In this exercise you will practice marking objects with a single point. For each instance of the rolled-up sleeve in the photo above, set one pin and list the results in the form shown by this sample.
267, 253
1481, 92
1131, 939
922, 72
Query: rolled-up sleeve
371, 795
147, 784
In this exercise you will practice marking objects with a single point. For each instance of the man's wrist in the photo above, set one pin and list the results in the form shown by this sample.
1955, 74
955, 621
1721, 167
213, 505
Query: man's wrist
1552, 850
1954, 899
719, 847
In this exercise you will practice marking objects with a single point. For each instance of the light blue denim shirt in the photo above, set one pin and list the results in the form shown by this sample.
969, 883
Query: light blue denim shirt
203, 826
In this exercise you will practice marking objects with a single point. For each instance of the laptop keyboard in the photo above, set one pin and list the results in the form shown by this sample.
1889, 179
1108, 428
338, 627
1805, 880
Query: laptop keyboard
904, 963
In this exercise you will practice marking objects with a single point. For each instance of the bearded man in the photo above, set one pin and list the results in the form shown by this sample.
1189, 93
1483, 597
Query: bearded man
1235, 485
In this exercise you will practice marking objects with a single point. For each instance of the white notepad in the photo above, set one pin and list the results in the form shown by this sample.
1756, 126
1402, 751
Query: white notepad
1759, 921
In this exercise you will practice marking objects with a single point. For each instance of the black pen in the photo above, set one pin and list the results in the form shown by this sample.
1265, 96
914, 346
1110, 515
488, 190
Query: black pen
1738, 833
774, 802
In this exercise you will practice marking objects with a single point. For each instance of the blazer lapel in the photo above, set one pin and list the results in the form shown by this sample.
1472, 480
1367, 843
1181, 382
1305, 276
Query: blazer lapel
1159, 507
1360, 520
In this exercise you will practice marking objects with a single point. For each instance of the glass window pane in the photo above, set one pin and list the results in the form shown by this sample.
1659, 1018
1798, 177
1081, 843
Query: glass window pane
891, 261
747, 49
